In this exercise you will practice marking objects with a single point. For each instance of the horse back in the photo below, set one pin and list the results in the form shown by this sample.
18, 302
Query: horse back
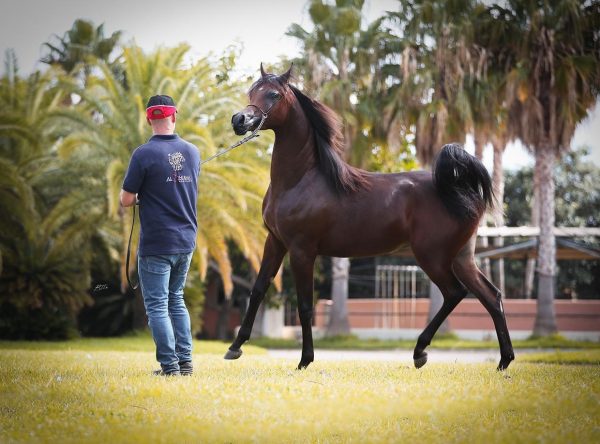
390, 211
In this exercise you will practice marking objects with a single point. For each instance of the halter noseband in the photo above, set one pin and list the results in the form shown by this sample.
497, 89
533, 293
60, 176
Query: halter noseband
265, 114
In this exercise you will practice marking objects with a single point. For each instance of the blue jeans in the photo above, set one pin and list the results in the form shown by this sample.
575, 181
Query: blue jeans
162, 279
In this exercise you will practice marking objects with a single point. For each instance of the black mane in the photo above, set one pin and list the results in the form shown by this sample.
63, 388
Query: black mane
329, 145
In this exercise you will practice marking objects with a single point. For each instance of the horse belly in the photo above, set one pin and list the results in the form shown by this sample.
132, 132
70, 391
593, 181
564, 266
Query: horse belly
371, 222
363, 238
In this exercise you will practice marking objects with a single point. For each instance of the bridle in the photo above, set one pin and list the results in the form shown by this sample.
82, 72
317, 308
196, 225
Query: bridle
264, 115
254, 134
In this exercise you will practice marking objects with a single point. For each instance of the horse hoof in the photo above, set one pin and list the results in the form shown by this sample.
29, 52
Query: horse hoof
303, 365
233, 354
421, 360
504, 363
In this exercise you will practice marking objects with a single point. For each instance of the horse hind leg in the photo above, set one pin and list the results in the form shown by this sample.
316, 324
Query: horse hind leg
491, 298
453, 292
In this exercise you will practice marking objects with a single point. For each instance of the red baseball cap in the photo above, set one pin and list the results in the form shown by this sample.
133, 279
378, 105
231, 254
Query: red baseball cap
160, 107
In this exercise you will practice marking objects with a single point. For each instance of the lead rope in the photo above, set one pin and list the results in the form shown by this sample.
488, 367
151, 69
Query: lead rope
133, 287
240, 142
214, 156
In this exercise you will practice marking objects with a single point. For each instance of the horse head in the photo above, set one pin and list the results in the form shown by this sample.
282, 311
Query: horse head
270, 98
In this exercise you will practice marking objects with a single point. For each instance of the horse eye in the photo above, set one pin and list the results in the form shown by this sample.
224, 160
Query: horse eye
274, 95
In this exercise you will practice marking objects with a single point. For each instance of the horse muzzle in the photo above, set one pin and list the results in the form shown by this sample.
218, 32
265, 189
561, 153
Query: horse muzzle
243, 122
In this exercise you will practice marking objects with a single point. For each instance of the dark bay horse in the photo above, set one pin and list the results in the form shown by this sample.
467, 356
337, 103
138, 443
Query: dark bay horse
317, 204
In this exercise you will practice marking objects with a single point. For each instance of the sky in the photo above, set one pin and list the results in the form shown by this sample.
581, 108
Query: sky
209, 27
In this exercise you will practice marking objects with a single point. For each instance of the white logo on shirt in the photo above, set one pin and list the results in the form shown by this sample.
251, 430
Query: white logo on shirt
180, 179
176, 160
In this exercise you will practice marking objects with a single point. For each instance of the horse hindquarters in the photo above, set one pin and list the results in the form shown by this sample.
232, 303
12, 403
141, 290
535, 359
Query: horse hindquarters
440, 272
452, 275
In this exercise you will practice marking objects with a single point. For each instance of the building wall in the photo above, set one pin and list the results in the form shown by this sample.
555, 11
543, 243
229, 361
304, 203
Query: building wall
571, 316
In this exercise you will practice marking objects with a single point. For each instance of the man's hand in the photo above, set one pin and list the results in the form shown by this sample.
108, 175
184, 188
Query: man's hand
127, 199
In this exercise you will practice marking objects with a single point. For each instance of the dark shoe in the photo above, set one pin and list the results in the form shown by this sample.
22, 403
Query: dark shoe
186, 368
163, 373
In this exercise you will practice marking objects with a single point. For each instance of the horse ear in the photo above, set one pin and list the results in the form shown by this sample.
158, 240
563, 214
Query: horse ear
262, 71
286, 75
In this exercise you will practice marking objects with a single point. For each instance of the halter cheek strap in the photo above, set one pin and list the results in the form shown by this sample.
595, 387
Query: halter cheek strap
264, 113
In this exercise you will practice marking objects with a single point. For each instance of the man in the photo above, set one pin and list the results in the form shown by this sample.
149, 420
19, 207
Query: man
163, 178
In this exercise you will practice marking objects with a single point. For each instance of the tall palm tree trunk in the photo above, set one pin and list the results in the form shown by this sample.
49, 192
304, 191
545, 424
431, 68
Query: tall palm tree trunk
498, 184
340, 267
535, 221
482, 241
545, 321
338, 315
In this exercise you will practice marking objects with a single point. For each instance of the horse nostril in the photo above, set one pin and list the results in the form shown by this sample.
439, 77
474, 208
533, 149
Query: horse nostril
237, 119
238, 122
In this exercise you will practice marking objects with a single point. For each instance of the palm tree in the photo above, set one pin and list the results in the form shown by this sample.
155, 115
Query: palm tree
110, 124
342, 64
550, 54
327, 58
81, 45
435, 58
485, 86
436, 39
499, 141
46, 218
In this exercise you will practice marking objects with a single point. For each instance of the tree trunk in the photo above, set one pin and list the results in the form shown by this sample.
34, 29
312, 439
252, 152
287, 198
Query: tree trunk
535, 221
482, 241
545, 321
479, 142
498, 185
223, 332
338, 315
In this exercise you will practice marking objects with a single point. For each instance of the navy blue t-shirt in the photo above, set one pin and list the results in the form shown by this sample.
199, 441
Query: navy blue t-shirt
164, 173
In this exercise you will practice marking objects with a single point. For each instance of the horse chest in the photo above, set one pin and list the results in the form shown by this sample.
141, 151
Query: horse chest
290, 214
269, 215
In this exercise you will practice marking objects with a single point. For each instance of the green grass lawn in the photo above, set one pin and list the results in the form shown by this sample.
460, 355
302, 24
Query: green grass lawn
449, 341
89, 392
140, 342
576, 357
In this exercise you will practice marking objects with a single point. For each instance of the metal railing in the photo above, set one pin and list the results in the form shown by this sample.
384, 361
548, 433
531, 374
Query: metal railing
401, 284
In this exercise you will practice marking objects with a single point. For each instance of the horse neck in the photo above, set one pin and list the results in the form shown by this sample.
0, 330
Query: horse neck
294, 150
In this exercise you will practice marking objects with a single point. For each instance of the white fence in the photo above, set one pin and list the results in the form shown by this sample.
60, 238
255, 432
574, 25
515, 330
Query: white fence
401, 284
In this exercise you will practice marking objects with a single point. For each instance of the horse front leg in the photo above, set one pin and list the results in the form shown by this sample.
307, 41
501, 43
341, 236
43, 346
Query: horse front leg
302, 265
272, 258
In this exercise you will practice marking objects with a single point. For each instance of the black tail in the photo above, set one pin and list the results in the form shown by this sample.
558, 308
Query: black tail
463, 183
